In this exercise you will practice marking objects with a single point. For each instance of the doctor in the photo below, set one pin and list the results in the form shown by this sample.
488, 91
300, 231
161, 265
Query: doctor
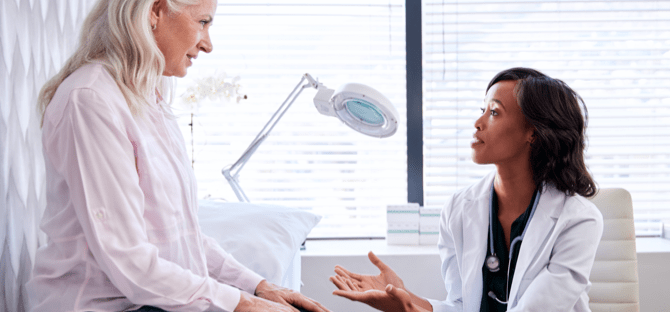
523, 238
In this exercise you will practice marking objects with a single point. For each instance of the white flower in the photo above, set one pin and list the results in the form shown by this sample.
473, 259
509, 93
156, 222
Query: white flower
213, 88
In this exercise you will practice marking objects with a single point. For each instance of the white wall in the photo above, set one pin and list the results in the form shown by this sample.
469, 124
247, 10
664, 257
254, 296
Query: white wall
654, 272
420, 270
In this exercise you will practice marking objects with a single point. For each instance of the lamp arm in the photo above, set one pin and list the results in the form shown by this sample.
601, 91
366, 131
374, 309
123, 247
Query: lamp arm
231, 172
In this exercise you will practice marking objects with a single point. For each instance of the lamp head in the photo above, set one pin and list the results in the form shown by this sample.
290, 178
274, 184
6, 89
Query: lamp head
360, 107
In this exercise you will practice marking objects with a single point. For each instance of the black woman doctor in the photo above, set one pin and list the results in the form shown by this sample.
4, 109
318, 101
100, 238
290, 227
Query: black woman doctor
523, 238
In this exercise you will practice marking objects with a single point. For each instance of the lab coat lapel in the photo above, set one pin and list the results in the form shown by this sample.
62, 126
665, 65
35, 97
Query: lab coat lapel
475, 234
542, 224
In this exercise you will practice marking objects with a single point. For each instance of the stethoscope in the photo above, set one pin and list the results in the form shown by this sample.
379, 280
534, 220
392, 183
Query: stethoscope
492, 261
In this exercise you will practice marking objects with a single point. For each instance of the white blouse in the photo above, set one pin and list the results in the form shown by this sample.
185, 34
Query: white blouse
121, 215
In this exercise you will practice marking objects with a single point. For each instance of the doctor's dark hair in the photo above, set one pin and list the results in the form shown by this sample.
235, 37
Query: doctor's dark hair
560, 117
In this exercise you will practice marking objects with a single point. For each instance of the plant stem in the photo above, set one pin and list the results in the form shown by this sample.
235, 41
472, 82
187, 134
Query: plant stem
192, 144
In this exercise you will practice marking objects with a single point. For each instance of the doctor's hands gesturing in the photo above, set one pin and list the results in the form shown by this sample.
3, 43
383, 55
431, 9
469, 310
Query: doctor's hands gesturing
385, 292
349, 281
391, 299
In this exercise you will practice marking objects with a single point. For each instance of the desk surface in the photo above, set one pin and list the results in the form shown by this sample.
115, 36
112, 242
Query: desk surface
357, 247
360, 247
652, 245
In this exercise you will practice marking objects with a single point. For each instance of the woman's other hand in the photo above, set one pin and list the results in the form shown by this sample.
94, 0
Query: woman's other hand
345, 280
287, 297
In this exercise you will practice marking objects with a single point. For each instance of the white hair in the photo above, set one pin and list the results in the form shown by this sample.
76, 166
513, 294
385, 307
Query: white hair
117, 33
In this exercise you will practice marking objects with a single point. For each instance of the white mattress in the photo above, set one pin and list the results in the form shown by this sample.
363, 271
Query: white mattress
291, 279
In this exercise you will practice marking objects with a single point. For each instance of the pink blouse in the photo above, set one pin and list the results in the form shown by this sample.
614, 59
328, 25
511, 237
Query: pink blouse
121, 215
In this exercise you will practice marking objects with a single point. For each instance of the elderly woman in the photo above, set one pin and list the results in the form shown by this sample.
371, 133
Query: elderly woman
121, 215
523, 238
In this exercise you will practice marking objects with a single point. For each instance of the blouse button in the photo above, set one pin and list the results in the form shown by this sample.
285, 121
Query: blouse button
100, 215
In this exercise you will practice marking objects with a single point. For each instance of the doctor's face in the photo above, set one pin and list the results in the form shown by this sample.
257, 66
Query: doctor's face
503, 135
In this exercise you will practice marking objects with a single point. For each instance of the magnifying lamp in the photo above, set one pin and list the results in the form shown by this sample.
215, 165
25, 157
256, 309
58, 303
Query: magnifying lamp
360, 107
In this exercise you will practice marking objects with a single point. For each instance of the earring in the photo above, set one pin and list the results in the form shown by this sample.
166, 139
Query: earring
153, 27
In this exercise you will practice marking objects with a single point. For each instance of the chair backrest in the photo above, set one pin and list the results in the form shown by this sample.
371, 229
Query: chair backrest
614, 275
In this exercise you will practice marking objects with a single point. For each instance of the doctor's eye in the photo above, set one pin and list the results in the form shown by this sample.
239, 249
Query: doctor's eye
483, 110
494, 112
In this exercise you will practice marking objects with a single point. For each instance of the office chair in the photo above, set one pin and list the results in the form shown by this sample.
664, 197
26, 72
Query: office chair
614, 275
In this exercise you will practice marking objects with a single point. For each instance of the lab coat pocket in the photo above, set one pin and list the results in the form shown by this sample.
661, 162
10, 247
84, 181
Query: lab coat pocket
525, 282
529, 276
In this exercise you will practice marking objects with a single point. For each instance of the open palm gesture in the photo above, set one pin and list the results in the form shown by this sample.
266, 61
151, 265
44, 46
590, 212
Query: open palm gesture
385, 292
391, 299
345, 280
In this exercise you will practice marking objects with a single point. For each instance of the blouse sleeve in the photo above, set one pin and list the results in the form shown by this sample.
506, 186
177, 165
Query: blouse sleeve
90, 147
225, 269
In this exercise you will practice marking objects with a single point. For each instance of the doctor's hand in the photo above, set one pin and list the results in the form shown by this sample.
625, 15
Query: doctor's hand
346, 280
391, 299
287, 297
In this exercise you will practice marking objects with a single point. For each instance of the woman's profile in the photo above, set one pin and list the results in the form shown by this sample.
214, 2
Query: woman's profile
121, 214
524, 237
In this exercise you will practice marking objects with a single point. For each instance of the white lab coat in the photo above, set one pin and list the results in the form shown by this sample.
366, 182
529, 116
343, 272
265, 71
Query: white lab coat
555, 259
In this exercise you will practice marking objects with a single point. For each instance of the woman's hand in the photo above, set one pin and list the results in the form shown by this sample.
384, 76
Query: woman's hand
287, 297
349, 281
251, 303
391, 299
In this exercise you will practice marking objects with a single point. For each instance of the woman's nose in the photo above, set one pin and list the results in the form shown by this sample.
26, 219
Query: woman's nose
205, 44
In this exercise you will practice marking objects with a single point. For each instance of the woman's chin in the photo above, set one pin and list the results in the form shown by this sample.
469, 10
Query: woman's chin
181, 73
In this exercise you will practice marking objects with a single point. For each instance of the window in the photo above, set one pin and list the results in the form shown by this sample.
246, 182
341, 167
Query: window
310, 161
615, 54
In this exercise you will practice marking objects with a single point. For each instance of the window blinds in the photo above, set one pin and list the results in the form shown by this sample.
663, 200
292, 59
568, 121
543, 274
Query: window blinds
310, 161
615, 54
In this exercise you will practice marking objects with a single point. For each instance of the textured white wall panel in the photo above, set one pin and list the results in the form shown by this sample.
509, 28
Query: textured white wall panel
36, 37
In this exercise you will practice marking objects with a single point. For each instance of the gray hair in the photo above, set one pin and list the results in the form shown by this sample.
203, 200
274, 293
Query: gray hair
117, 33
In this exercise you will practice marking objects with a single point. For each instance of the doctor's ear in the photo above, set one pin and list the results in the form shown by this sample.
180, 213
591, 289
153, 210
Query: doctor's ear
532, 137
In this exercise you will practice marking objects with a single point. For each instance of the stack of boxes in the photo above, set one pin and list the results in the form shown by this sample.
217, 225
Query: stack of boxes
402, 224
429, 225
410, 224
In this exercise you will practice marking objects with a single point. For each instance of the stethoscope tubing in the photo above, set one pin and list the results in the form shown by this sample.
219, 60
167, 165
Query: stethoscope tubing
493, 259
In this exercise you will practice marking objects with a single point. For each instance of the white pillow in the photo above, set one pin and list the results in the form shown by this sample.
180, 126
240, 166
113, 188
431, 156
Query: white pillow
264, 238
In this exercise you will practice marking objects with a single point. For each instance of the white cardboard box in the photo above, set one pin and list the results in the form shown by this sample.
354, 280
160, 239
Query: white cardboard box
429, 234
402, 233
402, 213
429, 217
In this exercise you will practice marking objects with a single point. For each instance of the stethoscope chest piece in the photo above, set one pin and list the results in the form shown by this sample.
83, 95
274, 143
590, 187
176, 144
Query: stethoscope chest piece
493, 263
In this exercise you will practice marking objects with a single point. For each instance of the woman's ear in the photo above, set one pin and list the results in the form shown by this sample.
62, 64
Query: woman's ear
154, 14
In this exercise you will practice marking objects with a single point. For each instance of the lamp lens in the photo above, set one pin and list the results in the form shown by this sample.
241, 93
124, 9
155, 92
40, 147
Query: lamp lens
365, 111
